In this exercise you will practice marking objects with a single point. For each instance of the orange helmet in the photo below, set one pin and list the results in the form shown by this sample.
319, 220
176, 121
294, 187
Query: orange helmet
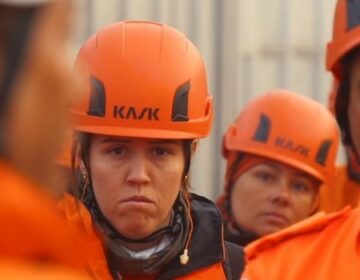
146, 80
346, 34
289, 128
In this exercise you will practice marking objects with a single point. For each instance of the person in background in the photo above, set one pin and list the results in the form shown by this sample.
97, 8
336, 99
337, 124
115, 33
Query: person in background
278, 159
36, 87
325, 246
136, 133
345, 186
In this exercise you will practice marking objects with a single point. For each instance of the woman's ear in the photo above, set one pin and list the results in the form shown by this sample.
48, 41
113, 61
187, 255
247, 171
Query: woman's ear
82, 166
194, 147
80, 160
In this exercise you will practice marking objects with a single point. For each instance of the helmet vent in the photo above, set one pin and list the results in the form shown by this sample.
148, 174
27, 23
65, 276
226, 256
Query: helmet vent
180, 104
353, 12
97, 98
323, 152
263, 129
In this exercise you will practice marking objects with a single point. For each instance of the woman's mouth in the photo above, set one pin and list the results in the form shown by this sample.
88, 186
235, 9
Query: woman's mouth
277, 219
137, 199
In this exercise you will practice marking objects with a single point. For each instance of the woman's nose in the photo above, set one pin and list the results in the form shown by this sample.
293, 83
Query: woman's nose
137, 170
281, 194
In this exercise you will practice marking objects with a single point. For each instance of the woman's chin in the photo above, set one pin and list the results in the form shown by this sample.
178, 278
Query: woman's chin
135, 231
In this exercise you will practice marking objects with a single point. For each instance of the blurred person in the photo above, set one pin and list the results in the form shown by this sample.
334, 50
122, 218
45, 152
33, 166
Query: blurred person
147, 104
63, 163
345, 186
277, 160
36, 86
324, 246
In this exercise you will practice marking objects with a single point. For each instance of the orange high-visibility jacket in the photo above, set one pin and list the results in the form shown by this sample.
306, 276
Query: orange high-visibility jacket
35, 242
341, 192
324, 247
77, 213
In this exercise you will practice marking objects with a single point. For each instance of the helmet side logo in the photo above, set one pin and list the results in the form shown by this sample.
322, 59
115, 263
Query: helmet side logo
288, 144
323, 152
180, 103
263, 129
125, 112
353, 11
97, 98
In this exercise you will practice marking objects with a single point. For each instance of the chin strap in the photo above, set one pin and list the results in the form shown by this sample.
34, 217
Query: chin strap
179, 230
172, 229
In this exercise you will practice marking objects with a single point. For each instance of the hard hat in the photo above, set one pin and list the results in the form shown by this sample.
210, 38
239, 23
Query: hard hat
146, 79
346, 34
289, 128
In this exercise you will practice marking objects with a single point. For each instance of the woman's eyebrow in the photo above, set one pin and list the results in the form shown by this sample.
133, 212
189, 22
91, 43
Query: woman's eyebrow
114, 140
165, 142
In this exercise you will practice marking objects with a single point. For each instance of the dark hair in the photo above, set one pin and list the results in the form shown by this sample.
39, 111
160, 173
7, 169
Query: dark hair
80, 150
15, 29
343, 94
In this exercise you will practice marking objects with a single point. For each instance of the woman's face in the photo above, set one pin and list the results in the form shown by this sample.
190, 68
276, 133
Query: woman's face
271, 196
136, 181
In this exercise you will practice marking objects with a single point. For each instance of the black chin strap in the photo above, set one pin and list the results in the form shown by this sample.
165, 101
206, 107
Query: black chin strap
170, 230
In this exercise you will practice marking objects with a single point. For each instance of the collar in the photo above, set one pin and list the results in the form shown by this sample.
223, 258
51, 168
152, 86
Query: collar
206, 247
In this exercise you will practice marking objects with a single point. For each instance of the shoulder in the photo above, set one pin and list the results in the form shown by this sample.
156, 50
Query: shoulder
75, 212
28, 270
202, 206
303, 232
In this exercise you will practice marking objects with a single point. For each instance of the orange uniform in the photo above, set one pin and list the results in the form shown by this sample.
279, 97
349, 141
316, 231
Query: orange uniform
77, 214
35, 242
324, 247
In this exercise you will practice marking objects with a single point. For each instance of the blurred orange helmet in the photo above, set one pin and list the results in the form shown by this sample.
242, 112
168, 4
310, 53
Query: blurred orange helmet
146, 80
287, 127
346, 34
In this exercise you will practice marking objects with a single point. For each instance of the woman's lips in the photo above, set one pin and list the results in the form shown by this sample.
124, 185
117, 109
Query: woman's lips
137, 199
277, 218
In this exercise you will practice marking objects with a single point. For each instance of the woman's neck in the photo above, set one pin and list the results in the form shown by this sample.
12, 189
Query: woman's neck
141, 246
138, 247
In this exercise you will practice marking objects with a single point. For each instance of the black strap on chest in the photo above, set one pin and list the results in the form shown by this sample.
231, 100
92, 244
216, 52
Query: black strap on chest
234, 261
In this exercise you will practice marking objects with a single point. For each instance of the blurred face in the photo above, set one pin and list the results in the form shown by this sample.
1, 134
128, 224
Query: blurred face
354, 105
45, 86
271, 196
136, 181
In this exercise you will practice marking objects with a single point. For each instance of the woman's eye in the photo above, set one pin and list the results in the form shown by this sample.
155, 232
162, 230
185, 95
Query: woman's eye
265, 176
301, 187
160, 151
117, 151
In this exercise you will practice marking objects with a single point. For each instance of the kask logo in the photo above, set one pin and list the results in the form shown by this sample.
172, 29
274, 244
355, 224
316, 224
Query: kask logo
288, 144
130, 112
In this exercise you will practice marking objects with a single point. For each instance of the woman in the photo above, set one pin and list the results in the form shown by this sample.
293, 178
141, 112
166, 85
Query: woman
36, 84
329, 243
147, 104
277, 158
